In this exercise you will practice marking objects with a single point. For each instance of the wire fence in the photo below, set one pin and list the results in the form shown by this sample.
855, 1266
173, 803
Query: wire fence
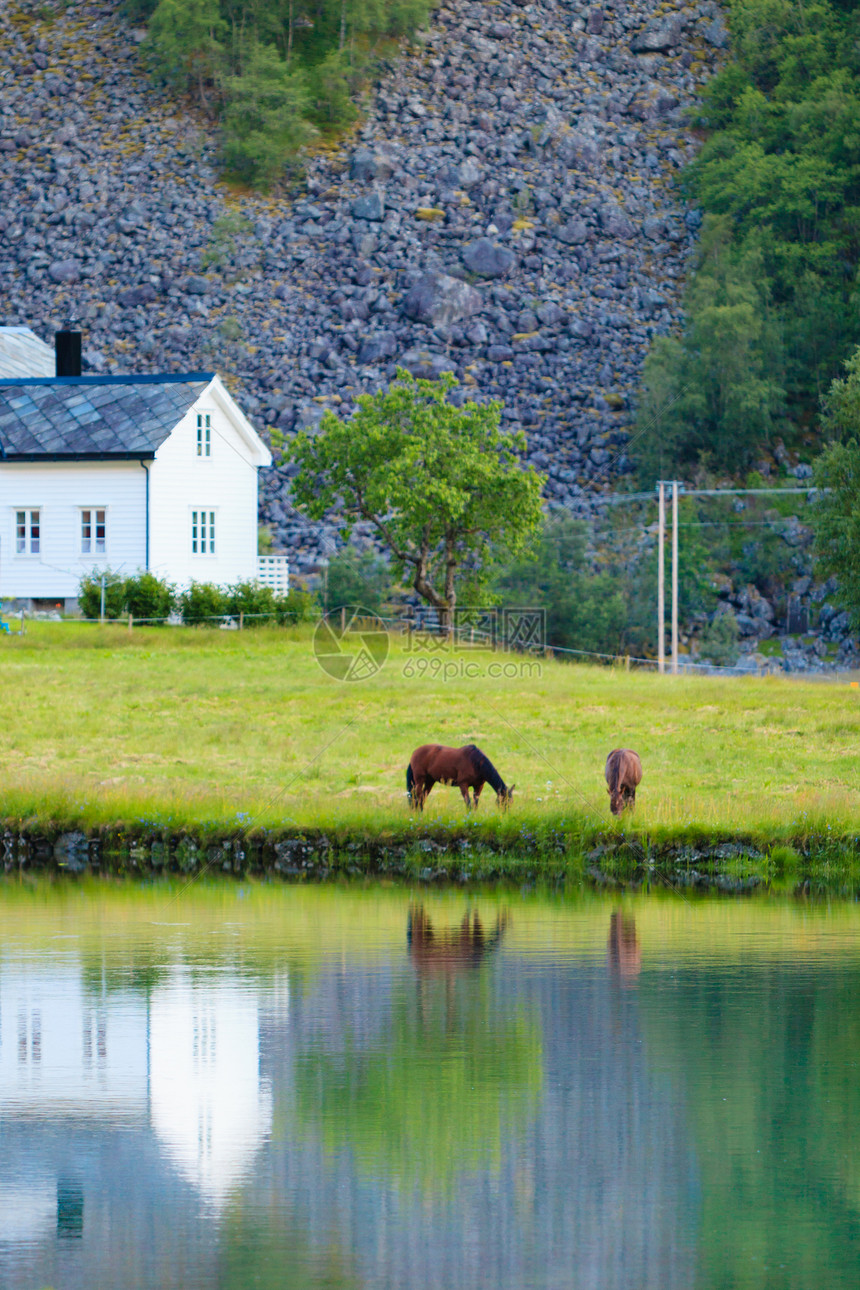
423, 623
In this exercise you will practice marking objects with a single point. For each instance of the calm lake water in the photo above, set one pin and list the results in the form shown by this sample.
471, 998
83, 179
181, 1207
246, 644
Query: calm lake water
338, 1087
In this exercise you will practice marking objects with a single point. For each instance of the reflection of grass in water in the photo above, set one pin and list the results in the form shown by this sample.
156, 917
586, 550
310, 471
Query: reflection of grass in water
771, 1093
227, 729
441, 1098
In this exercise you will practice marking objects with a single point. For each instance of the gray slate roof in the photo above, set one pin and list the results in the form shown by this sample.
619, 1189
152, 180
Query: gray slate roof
93, 416
23, 354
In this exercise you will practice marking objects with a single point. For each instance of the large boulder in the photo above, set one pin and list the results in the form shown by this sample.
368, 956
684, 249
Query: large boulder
657, 37
366, 165
131, 297
615, 223
440, 300
424, 363
573, 233
371, 207
382, 345
487, 259
65, 271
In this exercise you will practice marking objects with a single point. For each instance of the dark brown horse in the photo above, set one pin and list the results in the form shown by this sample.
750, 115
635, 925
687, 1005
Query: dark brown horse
623, 773
450, 950
464, 768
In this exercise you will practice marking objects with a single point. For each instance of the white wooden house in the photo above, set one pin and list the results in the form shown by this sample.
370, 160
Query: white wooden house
128, 473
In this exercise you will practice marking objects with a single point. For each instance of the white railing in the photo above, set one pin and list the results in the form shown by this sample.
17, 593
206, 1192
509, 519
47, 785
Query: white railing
274, 571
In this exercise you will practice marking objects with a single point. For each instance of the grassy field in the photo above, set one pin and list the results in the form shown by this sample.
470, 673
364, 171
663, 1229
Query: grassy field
235, 731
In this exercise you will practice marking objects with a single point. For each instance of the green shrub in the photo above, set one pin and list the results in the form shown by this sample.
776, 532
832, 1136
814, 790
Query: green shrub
148, 597
252, 599
90, 593
203, 602
299, 606
719, 642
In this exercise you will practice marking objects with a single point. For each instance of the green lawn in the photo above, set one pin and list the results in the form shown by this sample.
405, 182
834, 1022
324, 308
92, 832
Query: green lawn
191, 727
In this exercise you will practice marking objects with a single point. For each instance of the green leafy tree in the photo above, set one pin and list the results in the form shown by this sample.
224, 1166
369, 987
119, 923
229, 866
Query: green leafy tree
356, 578
266, 121
836, 515
442, 486
836, 521
272, 71
183, 45
779, 175
715, 395
584, 610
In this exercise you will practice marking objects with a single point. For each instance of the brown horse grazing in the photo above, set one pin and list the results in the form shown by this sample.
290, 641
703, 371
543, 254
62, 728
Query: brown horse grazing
466, 768
451, 950
623, 773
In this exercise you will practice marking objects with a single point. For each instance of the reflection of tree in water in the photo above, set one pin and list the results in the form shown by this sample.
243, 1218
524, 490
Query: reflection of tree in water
266, 1248
484, 1150
452, 1075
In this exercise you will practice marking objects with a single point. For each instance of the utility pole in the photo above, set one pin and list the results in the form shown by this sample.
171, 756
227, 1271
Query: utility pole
661, 577
674, 577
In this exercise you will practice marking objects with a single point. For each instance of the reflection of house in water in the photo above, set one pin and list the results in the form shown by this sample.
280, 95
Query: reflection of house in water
62, 1048
208, 1106
86, 1075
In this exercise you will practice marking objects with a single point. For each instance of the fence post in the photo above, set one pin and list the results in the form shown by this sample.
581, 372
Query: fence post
674, 576
660, 577
241, 619
130, 623
342, 619
627, 663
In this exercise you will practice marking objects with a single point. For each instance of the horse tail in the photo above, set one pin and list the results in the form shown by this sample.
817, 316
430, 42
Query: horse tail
613, 771
410, 781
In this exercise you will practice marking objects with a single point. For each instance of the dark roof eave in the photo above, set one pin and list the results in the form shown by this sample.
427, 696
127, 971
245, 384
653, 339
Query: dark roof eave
170, 378
12, 457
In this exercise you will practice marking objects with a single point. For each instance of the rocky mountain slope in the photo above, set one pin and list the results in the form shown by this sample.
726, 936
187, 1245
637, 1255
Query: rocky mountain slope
507, 212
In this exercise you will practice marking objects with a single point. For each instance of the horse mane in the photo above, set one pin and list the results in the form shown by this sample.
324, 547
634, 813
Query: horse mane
486, 769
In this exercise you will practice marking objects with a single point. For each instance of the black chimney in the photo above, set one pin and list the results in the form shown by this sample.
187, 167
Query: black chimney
67, 351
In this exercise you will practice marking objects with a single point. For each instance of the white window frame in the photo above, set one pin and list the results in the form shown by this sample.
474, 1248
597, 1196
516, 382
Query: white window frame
26, 524
204, 434
203, 530
89, 515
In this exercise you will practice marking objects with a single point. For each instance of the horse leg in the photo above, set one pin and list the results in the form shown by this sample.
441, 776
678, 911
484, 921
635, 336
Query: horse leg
464, 789
478, 789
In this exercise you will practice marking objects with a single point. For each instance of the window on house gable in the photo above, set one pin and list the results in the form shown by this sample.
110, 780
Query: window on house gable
28, 532
204, 434
93, 532
202, 532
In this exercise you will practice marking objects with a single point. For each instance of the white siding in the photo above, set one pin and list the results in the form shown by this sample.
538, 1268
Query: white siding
59, 490
224, 482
